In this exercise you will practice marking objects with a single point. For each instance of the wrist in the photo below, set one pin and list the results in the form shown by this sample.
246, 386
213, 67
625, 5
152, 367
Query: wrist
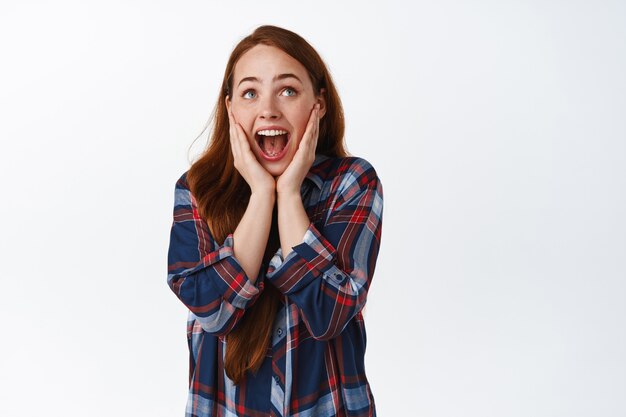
264, 184
266, 195
291, 189
267, 188
286, 185
288, 195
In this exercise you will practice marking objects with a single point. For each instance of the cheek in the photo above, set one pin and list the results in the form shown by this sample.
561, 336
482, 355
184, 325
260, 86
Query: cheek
243, 117
300, 119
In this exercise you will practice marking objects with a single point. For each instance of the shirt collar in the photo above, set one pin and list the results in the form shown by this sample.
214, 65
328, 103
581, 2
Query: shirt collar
314, 172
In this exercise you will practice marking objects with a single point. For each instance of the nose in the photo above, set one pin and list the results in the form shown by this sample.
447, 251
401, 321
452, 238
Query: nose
269, 108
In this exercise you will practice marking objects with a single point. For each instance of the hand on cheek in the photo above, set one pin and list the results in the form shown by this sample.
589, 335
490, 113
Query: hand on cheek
257, 177
291, 179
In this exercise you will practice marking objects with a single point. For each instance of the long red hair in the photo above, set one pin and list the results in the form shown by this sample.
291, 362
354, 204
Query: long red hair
222, 194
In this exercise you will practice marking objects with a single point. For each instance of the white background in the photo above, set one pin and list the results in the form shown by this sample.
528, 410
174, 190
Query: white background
498, 131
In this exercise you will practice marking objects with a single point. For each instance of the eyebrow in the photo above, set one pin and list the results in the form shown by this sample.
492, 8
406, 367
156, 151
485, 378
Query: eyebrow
276, 78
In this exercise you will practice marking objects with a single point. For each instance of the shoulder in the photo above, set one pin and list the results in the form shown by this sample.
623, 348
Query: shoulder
332, 168
353, 172
345, 178
360, 169
182, 194
181, 182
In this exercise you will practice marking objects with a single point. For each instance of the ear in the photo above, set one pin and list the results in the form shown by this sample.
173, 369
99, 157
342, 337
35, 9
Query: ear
227, 102
321, 100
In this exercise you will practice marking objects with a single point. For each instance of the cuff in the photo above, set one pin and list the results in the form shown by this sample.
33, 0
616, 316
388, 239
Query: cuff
232, 282
312, 258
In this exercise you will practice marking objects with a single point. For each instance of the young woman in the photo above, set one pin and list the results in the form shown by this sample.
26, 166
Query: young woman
274, 242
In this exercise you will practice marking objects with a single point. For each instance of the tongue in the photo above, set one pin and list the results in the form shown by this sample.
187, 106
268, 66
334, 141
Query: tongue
272, 145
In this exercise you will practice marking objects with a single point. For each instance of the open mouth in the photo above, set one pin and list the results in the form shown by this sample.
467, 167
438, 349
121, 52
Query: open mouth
272, 143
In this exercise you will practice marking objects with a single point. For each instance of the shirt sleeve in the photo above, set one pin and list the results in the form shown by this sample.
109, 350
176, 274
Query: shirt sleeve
204, 275
328, 275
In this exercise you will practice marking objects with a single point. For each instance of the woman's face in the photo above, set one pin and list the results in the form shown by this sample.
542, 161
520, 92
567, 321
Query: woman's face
272, 94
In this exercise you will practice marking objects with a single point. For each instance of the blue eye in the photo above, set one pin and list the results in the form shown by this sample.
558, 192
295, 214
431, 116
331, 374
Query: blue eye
289, 89
245, 94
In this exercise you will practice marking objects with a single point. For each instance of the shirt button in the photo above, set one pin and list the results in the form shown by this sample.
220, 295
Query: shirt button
280, 332
338, 277
276, 378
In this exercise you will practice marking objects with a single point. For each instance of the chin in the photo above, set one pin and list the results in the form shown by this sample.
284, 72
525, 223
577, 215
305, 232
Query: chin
274, 170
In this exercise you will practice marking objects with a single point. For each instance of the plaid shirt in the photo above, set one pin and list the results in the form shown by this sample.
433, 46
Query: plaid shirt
315, 365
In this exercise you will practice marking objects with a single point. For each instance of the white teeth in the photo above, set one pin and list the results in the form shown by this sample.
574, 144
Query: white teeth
272, 132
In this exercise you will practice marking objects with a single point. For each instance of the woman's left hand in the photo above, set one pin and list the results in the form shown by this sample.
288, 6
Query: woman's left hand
291, 179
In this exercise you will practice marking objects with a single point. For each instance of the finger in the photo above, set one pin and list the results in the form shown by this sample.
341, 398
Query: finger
317, 123
244, 146
237, 131
231, 137
232, 131
314, 132
234, 140
239, 139
234, 143
243, 138
315, 136
310, 128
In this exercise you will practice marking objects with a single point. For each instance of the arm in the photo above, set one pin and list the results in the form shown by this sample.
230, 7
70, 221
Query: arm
293, 221
250, 236
253, 229
328, 274
206, 276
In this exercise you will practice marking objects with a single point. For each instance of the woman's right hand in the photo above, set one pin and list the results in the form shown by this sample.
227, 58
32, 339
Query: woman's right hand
259, 180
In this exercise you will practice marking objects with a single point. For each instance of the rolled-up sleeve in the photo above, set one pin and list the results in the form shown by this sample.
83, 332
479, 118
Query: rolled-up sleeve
329, 273
204, 275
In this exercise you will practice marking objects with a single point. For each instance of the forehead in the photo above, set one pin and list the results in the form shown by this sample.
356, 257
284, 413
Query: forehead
265, 62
